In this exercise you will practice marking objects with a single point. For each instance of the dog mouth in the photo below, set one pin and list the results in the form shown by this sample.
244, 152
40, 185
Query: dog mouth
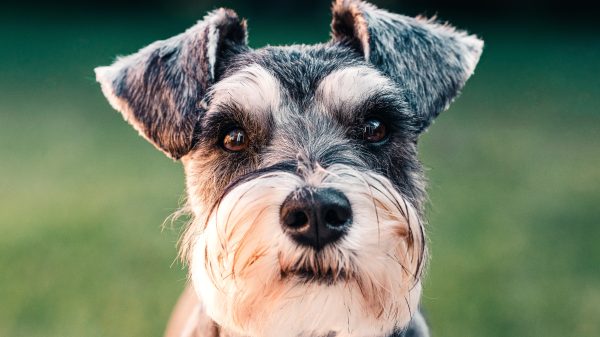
320, 267
306, 275
326, 276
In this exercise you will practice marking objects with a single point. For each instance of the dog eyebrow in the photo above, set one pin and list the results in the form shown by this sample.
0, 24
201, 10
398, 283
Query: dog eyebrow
228, 115
245, 99
351, 94
380, 103
252, 90
354, 92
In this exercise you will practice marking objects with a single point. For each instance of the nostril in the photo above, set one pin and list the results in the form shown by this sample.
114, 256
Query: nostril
337, 217
296, 219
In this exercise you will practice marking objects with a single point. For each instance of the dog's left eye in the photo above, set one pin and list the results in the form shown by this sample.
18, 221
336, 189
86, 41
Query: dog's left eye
374, 131
235, 140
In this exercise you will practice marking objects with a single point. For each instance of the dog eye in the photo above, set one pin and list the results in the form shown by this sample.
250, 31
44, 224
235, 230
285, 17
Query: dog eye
374, 130
235, 140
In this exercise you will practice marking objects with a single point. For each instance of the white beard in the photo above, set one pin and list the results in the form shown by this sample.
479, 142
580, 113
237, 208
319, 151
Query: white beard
243, 264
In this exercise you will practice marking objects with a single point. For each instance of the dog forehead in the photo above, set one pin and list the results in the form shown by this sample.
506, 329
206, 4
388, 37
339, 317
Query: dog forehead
298, 69
278, 81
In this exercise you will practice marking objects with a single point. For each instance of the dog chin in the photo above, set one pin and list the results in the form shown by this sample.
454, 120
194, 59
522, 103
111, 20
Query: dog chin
298, 306
256, 281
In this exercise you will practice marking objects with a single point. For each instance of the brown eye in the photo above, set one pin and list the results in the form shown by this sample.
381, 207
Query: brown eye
374, 130
235, 140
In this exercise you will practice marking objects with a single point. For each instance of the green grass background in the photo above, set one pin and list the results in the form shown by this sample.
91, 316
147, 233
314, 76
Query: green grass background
513, 166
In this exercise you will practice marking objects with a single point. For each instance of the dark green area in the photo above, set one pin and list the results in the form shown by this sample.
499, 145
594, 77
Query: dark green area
514, 171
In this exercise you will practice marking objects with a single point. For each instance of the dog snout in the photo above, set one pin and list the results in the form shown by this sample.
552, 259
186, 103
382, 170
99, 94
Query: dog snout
316, 217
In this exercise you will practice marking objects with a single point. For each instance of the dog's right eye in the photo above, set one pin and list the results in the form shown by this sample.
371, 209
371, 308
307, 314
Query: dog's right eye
374, 131
235, 140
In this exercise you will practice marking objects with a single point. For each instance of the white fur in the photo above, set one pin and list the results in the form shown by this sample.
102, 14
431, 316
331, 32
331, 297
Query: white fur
253, 88
105, 76
419, 324
240, 251
349, 87
211, 48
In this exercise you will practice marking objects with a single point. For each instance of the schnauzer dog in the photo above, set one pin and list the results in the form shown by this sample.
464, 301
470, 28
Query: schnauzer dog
304, 188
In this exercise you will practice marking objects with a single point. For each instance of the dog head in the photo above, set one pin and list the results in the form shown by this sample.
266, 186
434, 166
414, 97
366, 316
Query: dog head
302, 175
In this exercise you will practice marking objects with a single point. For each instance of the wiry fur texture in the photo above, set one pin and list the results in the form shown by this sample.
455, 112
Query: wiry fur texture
432, 61
246, 269
159, 88
303, 108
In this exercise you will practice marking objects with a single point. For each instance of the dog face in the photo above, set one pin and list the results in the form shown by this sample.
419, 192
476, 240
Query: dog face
302, 176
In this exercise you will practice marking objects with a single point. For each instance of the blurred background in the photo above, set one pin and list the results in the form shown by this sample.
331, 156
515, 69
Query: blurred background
514, 169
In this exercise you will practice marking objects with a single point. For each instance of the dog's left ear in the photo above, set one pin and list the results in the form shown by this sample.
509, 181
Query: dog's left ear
430, 61
160, 88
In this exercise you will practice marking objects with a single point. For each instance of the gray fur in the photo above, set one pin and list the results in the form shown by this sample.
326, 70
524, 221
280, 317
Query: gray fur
159, 89
176, 94
320, 134
430, 61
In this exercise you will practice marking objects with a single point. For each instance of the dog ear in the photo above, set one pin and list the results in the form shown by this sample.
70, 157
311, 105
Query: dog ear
430, 61
160, 88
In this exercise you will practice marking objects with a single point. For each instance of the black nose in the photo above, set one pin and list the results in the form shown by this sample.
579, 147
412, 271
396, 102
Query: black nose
316, 217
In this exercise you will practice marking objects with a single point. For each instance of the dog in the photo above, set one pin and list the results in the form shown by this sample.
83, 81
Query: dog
303, 184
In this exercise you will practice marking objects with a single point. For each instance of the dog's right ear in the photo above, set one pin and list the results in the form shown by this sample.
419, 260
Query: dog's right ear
160, 88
